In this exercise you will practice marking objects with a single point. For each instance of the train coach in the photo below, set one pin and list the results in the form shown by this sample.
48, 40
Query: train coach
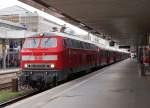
48, 58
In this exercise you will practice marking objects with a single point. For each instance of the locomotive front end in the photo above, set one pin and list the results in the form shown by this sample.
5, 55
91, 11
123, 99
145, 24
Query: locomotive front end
39, 61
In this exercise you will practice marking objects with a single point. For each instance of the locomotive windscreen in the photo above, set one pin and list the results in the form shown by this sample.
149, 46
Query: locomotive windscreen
40, 42
48, 42
31, 43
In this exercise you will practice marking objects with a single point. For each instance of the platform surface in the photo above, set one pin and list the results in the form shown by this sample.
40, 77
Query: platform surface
116, 86
9, 70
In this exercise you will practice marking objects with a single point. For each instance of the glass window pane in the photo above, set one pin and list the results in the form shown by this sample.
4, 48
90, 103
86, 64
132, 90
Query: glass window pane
49, 42
31, 43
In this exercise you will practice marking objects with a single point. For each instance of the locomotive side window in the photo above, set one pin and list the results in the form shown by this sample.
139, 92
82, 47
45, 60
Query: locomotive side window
65, 43
77, 44
31, 43
69, 43
49, 42
74, 44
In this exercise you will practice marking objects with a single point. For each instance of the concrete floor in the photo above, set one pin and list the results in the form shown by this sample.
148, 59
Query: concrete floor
8, 70
116, 86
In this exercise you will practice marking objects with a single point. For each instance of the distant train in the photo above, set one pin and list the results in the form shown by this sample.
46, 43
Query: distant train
49, 58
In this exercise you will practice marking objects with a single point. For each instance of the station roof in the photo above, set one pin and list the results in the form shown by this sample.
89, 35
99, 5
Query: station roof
122, 20
13, 10
11, 25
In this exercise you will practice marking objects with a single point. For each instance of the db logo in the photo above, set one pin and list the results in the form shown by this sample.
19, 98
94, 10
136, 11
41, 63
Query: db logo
38, 57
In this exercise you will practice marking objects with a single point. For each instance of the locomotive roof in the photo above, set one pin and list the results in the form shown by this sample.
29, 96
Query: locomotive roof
62, 35
67, 35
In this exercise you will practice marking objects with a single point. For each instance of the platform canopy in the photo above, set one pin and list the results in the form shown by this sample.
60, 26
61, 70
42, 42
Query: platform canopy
124, 21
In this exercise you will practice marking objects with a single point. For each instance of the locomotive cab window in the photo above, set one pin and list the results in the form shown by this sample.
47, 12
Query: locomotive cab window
31, 43
48, 43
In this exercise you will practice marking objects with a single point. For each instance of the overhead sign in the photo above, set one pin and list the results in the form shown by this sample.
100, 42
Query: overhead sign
125, 47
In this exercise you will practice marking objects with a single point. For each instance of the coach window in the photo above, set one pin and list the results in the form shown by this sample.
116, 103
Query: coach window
81, 45
75, 44
84, 45
87, 46
49, 42
92, 47
78, 44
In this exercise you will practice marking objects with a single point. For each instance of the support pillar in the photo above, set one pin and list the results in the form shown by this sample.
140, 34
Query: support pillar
4, 54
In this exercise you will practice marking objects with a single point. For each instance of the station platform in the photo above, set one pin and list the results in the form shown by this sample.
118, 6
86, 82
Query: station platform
115, 86
8, 70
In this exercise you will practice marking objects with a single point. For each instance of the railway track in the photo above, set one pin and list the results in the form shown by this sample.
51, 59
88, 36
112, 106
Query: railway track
7, 85
1, 74
6, 79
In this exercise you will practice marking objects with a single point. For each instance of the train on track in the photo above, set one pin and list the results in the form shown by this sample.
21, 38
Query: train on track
48, 58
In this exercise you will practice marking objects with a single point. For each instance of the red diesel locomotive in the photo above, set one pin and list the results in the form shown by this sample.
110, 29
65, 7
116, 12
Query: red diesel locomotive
48, 58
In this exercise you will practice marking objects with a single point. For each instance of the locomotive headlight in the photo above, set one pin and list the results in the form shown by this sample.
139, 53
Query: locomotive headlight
52, 66
25, 65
